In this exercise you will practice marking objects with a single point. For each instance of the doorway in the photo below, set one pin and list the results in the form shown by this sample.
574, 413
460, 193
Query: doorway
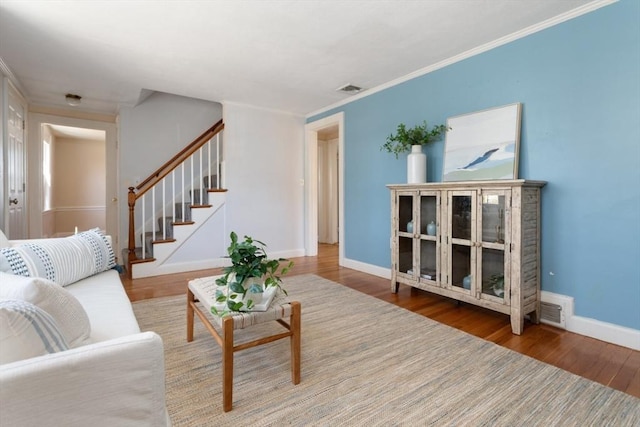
328, 162
79, 187
73, 179
324, 183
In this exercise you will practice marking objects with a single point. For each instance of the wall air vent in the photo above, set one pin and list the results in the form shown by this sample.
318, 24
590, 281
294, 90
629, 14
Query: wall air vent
555, 308
350, 89
552, 313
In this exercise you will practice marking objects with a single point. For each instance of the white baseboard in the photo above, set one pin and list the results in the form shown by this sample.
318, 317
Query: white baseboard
151, 269
604, 331
374, 270
293, 253
609, 332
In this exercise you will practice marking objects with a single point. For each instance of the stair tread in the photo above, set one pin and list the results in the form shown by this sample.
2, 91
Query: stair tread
140, 261
163, 241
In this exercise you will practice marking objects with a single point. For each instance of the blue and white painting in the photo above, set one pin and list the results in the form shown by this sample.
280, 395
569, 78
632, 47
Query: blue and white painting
483, 145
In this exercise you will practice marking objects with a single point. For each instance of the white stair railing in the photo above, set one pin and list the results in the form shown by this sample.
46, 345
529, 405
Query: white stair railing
195, 162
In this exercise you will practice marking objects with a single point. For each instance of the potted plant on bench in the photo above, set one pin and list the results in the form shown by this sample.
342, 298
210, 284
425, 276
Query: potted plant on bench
250, 273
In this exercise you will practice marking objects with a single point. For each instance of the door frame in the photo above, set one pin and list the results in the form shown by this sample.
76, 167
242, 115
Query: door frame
112, 207
311, 183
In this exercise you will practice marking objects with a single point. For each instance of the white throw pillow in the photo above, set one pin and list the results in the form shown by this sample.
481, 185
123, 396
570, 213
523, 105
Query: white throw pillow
63, 261
4, 242
27, 331
65, 309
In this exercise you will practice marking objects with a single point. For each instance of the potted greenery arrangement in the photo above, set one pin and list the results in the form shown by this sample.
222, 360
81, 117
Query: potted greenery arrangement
250, 273
412, 139
405, 138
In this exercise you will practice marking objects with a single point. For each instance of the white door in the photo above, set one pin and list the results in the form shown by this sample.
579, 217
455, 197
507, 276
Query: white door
16, 174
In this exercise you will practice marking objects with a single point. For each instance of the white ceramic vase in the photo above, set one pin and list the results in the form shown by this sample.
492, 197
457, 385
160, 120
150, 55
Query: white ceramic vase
416, 166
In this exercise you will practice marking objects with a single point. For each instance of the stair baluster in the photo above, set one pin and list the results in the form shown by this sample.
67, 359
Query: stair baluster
184, 159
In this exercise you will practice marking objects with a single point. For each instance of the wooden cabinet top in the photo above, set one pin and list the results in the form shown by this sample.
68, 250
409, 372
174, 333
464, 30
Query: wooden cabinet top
504, 183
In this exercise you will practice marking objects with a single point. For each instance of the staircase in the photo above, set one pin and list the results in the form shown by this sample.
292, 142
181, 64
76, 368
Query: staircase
177, 214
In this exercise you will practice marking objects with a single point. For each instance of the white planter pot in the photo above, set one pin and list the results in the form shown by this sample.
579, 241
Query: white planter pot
256, 297
416, 166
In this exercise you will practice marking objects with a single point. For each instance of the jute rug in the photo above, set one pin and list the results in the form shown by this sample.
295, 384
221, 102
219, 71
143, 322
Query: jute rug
366, 362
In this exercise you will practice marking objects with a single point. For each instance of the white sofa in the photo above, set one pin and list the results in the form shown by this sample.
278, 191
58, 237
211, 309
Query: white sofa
116, 377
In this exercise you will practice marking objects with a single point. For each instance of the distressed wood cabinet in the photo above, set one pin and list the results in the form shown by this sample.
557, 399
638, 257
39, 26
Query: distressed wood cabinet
477, 242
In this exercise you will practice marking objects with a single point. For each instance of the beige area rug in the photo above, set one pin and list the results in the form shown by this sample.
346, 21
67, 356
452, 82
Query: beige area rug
366, 362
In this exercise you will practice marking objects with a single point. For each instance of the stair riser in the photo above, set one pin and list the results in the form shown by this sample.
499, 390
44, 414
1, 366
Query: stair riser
181, 233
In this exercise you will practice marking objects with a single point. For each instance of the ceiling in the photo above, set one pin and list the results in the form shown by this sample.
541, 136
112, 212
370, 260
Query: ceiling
288, 55
77, 133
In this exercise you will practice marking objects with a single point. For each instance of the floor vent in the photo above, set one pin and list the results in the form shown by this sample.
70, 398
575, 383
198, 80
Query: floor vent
554, 309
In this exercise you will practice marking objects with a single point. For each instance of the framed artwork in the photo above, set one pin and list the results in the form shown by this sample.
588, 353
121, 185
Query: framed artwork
483, 145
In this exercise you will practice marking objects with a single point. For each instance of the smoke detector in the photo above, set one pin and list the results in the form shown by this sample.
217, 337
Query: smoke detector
349, 88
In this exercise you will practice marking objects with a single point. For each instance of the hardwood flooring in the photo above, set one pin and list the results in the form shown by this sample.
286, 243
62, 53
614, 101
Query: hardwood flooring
609, 364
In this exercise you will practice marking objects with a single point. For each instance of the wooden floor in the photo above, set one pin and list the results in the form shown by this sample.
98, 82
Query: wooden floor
609, 364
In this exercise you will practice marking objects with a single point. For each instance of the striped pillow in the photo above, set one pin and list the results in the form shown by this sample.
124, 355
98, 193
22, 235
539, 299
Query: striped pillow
27, 331
59, 303
63, 261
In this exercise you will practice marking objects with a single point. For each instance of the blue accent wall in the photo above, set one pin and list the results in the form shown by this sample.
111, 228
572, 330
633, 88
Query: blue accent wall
579, 83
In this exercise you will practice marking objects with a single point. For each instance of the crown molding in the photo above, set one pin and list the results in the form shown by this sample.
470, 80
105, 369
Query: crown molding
574, 13
4, 68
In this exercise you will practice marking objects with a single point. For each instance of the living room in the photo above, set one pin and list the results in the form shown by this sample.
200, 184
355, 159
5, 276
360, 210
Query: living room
577, 79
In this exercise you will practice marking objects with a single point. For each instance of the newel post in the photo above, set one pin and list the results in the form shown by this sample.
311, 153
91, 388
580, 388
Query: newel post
131, 200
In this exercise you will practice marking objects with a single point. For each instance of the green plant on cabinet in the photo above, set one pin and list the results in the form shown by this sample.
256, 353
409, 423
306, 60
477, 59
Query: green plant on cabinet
405, 137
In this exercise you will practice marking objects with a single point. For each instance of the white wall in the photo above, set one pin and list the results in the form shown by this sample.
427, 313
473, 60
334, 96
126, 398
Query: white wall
153, 132
79, 171
264, 158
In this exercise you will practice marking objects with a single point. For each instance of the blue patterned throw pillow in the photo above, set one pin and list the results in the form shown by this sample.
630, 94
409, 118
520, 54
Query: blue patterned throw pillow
63, 261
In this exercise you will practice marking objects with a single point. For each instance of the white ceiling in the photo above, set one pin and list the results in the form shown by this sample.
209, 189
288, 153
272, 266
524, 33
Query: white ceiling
288, 55
77, 133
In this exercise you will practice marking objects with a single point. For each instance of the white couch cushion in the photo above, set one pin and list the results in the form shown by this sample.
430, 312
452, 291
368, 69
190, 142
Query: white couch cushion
4, 242
107, 306
63, 261
58, 302
27, 331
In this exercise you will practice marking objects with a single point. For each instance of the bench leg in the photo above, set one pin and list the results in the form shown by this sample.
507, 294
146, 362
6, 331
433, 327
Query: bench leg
295, 342
190, 302
227, 363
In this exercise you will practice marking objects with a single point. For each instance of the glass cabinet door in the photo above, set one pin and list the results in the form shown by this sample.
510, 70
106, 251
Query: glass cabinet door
493, 243
405, 243
461, 219
429, 243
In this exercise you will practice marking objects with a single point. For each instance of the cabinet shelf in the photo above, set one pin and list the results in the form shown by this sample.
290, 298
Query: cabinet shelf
484, 232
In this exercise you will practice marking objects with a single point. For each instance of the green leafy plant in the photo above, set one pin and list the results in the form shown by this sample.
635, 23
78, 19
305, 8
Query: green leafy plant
405, 137
250, 270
